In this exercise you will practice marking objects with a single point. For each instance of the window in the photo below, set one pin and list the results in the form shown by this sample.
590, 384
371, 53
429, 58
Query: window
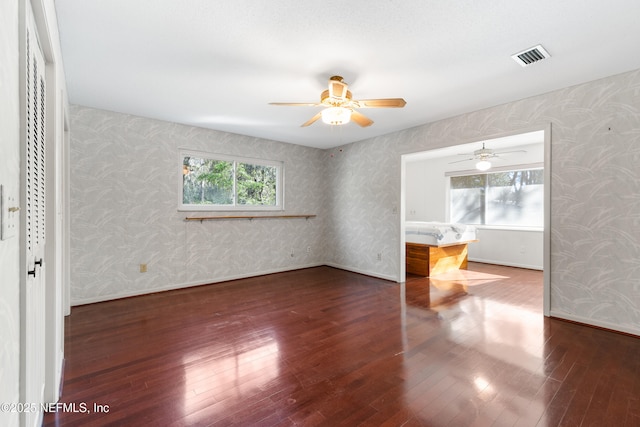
509, 198
218, 182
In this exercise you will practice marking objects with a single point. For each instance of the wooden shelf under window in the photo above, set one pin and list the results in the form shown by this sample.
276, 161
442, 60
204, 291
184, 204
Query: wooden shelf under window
249, 217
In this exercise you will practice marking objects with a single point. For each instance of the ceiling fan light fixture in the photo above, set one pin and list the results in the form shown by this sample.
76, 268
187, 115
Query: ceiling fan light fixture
341, 108
483, 165
336, 115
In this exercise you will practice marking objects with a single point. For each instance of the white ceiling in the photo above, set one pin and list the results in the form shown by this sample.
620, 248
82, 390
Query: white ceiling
217, 64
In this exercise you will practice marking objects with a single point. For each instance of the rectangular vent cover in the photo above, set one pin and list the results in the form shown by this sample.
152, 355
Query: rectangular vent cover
531, 56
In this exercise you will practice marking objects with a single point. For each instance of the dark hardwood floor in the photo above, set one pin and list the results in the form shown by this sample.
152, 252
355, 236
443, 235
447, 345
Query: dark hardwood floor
325, 347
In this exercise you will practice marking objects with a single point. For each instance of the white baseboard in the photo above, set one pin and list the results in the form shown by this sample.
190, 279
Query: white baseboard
508, 264
103, 298
365, 272
596, 323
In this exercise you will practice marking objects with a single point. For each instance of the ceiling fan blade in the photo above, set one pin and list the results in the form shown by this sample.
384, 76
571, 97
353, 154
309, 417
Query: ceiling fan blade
361, 119
509, 152
382, 103
337, 97
459, 161
296, 104
312, 120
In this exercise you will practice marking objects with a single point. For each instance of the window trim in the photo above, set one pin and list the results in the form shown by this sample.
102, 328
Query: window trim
520, 167
279, 165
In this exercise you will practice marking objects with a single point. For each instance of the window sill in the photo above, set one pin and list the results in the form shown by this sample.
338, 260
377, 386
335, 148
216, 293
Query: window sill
248, 217
509, 228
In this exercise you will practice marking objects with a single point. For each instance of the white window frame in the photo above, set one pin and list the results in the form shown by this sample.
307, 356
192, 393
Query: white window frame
279, 165
511, 168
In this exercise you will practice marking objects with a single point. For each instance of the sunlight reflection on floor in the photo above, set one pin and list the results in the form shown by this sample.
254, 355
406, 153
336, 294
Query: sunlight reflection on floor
247, 368
465, 278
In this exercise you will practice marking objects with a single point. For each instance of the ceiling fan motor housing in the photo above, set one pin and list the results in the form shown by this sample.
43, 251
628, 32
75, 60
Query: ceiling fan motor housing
327, 99
483, 153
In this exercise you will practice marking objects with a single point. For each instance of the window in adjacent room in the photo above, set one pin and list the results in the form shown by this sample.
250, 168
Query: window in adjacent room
219, 182
505, 198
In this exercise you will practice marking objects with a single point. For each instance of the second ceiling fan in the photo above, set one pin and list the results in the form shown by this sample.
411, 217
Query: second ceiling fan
340, 107
483, 155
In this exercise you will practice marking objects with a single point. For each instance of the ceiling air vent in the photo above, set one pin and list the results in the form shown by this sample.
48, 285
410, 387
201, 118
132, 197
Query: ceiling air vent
531, 56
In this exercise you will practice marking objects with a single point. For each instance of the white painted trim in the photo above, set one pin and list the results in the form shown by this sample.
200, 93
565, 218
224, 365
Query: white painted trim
504, 228
110, 297
365, 272
495, 169
593, 322
508, 264
546, 233
402, 273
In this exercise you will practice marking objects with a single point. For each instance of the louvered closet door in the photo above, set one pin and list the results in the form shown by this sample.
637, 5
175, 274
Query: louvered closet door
33, 320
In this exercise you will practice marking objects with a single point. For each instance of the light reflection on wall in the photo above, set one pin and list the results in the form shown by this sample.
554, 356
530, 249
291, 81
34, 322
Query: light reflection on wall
244, 369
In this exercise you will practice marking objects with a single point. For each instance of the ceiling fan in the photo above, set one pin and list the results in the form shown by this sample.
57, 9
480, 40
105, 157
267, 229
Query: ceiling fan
483, 155
340, 105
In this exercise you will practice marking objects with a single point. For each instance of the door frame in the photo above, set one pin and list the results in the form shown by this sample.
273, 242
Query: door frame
40, 17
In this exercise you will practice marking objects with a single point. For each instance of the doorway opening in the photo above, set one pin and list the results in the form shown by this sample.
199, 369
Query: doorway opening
425, 196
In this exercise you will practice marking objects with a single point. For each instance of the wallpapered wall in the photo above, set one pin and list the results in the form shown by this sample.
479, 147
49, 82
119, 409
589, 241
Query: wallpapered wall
125, 182
124, 197
595, 192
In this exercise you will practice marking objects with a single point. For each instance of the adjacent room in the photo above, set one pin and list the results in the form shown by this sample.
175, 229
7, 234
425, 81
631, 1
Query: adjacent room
482, 201
319, 213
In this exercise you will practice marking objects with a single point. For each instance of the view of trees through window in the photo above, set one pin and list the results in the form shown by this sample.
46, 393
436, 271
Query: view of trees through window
512, 198
228, 183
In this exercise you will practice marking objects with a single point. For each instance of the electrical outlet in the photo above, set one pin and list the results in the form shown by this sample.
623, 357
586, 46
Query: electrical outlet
293, 253
379, 256
308, 249
143, 268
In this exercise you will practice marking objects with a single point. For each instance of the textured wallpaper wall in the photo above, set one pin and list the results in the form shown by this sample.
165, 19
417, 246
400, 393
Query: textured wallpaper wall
125, 182
595, 192
364, 200
124, 201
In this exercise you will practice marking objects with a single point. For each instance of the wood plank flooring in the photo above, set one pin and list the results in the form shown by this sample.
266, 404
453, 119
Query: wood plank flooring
325, 347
